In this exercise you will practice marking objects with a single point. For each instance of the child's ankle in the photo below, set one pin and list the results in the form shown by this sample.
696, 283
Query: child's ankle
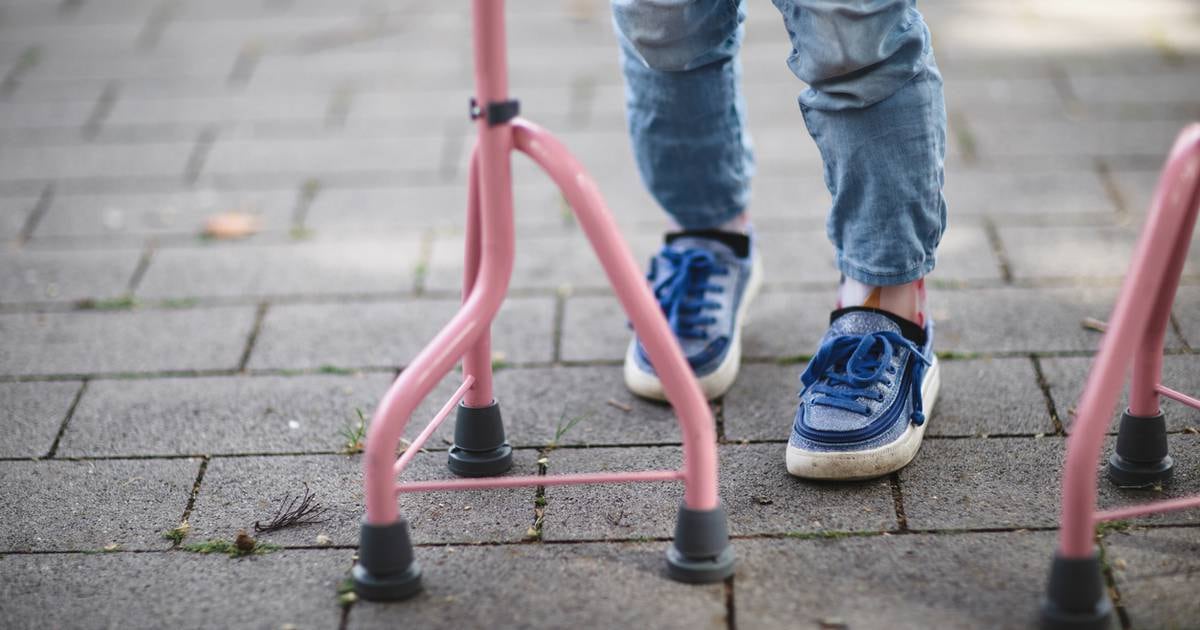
738, 225
902, 300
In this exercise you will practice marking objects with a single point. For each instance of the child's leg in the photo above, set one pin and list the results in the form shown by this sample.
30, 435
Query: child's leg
686, 120
874, 107
684, 106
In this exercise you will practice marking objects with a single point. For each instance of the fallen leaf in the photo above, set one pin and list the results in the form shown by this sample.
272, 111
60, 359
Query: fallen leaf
231, 225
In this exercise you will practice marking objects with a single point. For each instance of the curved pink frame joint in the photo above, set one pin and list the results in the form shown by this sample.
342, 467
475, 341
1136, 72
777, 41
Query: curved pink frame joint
1138, 328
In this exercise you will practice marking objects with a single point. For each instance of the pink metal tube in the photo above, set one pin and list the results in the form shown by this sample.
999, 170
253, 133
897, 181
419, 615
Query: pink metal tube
478, 360
484, 483
491, 282
1178, 396
1174, 202
1173, 505
679, 384
415, 447
1147, 358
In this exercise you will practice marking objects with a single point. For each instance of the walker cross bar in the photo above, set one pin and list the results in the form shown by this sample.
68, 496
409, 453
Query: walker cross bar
1076, 596
386, 567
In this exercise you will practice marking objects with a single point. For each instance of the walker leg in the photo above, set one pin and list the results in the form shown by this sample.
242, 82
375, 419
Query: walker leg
1140, 458
386, 569
1076, 598
701, 551
480, 448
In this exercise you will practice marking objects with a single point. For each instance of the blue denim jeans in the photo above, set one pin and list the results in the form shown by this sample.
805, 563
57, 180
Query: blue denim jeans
873, 105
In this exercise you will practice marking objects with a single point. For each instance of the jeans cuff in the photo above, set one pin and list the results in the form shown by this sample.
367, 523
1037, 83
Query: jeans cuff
885, 279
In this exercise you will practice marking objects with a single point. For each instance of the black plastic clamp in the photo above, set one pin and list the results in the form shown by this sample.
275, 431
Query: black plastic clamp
496, 113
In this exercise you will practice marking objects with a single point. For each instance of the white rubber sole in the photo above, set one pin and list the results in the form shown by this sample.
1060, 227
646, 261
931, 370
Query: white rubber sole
714, 384
874, 462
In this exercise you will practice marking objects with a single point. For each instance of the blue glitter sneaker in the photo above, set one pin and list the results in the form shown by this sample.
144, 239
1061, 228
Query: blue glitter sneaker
704, 280
866, 396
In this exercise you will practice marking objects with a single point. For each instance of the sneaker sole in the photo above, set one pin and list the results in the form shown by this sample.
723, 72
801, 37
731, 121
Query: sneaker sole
714, 384
872, 463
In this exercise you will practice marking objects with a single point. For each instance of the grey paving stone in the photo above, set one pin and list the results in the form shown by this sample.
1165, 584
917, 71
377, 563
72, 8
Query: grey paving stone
523, 586
989, 397
1081, 140
1156, 572
541, 262
1187, 305
93, 161
365, 334
762, 404
52, 276
1178, 87
594, 328
980, 396
14, 211
144, 214
988, 483
760, 497
55, 114
537, 204
179, 590
126, 341
965, 253
32, 414
778, 324
219, 415
1066, 377
1185, 481
571, 406
1005, 96
320, 156
238, 491
64, 505
305, 268
1074, 252
919, 581
227, 109
1019, 319
1015, 482
1002, 195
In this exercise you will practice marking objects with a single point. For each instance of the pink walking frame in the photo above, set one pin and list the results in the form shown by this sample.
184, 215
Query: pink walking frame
1076, 596
386, 567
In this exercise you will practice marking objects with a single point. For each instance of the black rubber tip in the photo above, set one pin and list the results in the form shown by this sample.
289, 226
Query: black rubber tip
1075, 597
1140, 458
386, 569
480, 448
701, 553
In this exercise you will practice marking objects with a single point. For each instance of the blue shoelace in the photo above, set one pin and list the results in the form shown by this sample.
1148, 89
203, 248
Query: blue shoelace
849, 367
681, 294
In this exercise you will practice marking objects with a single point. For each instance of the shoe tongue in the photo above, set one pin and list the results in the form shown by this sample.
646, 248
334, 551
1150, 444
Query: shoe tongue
854, 321
729, 243
860, 320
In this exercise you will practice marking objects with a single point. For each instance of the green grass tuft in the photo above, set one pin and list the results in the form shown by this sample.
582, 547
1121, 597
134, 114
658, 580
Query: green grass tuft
214, 545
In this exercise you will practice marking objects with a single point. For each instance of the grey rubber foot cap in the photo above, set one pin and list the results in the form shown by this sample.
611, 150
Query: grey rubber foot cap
1140, 459
386, 569
1076, 598
701, 553
387, 588
480, 448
